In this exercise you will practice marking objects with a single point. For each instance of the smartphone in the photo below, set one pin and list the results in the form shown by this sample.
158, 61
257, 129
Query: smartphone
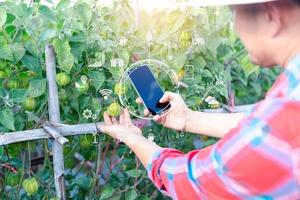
148, 89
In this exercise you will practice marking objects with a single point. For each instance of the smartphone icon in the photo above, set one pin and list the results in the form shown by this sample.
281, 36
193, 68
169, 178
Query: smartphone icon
148, 89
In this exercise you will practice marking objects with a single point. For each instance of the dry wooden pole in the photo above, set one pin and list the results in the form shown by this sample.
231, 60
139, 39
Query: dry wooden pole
54, 117
57, 136
37, 134
78, 129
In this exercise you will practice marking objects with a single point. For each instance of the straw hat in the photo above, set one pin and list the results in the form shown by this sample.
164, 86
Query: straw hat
229, 2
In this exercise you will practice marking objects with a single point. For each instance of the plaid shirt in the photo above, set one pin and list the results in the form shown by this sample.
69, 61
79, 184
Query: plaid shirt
258, 159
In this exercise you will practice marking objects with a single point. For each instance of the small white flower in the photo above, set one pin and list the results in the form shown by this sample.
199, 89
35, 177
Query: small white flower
87, 113
123, 41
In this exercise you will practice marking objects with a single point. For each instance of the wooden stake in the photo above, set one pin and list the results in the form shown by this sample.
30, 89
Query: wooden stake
54, 117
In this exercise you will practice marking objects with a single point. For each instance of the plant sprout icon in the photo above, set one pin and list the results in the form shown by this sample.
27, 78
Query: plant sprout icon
105, 93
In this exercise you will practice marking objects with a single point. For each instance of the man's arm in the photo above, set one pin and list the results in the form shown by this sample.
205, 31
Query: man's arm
180, 117
254, 160
212, 124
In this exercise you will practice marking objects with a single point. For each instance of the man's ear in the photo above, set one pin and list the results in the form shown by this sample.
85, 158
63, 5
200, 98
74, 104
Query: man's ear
274, 19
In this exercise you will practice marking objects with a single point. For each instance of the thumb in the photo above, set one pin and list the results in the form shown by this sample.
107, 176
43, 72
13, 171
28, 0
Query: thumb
167, 97
103, 128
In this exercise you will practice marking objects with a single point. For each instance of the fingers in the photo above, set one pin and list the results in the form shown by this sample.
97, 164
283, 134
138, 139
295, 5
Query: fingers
107, 119
122, 118
139, 100
126, 116
159, 119
104, 128
167, 97
146, 112
114, 120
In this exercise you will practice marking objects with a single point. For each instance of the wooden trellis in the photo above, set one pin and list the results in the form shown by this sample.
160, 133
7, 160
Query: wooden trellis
53, 129
57, 131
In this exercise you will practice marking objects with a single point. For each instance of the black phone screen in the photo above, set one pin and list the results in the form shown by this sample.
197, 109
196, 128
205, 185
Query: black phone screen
148, 89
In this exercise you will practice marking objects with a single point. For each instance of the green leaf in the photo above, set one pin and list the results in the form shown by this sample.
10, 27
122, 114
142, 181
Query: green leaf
123, 54
223, 91
18, 95
83, 182
19, 123
131, 195
48, 34
5, 52
3, 17
248, 67
64, 56
1, 151
12, 52
18, 51
46, 12
62, 4
107, 192
7, 118
85, 13
37, 87
143, 198
133, 173
32, 63
97, 79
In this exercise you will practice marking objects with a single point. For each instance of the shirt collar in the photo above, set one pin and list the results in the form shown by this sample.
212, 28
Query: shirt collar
287, 81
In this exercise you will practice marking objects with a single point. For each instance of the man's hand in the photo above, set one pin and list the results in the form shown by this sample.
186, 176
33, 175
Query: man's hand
176, 117
131, 135
121, 129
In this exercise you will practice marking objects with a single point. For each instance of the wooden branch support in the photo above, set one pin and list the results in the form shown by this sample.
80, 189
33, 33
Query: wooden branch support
57, 136
37, 134
54, 117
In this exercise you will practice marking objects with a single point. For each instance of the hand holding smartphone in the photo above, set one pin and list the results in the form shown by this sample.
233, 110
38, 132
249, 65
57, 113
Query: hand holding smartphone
148, 89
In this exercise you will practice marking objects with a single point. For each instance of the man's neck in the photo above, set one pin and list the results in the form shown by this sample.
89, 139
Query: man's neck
291, 54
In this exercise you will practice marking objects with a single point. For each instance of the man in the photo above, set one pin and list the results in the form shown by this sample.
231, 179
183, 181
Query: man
258, 156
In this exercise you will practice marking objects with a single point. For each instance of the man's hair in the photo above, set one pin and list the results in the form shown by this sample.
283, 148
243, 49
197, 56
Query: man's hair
297, 2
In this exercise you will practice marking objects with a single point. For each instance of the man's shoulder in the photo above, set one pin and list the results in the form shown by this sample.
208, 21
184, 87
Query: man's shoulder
281, 116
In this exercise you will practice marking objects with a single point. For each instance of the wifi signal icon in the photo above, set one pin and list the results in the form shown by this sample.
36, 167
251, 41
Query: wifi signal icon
105, 93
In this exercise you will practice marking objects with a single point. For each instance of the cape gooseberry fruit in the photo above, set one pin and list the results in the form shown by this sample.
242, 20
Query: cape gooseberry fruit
29, 104
63, 79
114, 109
30, 186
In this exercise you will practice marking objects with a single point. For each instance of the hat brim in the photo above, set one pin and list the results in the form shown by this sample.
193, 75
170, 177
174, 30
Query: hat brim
229, 2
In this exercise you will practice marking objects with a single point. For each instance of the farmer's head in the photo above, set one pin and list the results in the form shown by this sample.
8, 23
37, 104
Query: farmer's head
270, 31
